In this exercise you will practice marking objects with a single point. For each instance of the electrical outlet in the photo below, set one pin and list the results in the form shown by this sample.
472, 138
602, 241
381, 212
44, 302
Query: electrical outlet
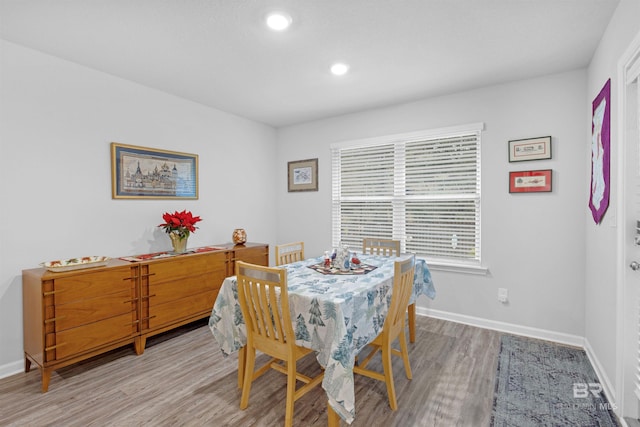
503, 295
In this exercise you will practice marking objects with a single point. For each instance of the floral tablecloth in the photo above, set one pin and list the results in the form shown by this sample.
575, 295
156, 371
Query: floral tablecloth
335, 315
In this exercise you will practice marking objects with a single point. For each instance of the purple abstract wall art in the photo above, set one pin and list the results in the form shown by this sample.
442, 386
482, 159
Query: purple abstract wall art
600, 153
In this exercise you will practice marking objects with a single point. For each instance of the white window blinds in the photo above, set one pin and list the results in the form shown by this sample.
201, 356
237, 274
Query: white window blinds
422, 189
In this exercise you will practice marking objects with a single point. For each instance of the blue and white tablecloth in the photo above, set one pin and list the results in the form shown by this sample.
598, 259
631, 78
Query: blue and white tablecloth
335, 315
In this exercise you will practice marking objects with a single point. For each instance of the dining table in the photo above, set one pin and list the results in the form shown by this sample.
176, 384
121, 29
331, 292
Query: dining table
336, 312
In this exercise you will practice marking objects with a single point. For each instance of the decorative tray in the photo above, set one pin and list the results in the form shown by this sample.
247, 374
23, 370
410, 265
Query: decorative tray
361, 269
75, 263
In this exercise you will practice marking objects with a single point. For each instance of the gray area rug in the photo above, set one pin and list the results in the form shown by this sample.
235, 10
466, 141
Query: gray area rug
539, 383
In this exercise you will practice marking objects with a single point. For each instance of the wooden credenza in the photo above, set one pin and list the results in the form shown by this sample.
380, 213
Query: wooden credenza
72, 316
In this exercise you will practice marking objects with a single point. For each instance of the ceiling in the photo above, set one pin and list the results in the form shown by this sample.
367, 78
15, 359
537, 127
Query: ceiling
220, 54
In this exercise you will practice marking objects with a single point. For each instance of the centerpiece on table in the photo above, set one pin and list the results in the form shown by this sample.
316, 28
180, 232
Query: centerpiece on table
178, 226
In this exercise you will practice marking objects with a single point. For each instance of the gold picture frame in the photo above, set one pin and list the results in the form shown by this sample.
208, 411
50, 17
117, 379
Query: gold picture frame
150, 173
303, 175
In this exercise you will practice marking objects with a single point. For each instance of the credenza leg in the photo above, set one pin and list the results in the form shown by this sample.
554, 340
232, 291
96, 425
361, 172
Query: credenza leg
27, 363
139, 343
46, 377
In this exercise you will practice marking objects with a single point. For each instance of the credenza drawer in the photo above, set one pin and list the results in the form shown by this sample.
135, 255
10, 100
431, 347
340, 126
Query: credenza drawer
162, 314
171, 291
81, 312
90, 285
175, 270
88, 337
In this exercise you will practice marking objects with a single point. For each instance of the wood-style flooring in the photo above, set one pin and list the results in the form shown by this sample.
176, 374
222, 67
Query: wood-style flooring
182, 379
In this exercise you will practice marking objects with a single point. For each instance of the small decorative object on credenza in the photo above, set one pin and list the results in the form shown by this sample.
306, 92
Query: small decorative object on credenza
178, 226
239, 236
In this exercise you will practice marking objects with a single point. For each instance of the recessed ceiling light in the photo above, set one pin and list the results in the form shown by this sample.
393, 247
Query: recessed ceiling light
339, 69
278, 21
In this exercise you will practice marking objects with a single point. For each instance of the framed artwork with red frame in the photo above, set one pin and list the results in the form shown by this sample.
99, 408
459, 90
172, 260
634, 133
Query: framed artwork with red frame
537, 181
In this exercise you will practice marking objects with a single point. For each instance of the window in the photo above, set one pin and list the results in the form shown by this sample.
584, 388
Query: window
421, 188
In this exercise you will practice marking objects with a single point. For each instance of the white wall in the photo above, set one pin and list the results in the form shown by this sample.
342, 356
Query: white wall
533, 244
58, 119
602, 258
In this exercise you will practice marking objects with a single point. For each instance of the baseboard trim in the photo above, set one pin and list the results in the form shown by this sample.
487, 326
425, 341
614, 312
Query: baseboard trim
609, 390
543, 334
11, 369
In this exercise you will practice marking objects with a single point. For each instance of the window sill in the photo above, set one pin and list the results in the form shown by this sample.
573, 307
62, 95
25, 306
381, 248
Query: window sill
436, 265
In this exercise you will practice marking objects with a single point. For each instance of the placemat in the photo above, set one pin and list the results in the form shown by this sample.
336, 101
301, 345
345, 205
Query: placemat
166, 254
363, 269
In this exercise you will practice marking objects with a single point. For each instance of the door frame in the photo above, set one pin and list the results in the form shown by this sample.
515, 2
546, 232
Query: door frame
625, 348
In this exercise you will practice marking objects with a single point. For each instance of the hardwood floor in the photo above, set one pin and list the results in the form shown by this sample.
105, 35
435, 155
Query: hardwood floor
182, 379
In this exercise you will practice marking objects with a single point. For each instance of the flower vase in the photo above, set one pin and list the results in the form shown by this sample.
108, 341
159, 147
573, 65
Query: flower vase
179, 243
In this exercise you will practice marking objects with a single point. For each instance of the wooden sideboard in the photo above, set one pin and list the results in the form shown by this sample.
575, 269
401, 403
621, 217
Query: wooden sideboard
74, 315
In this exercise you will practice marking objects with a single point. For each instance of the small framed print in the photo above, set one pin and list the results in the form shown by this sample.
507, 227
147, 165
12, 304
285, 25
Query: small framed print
521, 150
538, 181
303, 175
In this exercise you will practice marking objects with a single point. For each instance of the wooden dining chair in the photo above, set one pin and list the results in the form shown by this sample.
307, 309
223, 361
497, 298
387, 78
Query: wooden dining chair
289, 252
385, 247
392, 329
388, 247
264, 301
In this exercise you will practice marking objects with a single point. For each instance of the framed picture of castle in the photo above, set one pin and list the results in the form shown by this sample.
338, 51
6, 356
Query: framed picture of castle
149, 173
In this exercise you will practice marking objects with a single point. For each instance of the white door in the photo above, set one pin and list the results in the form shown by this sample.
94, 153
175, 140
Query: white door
628, 390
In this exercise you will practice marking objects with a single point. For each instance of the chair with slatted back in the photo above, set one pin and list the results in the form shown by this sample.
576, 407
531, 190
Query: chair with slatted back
393, 328
388, 247
289, 252
264, 301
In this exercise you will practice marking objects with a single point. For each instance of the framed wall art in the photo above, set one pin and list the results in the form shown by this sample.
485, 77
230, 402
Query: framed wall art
530, 149
600, 153
303, 175
537, 181
149, 173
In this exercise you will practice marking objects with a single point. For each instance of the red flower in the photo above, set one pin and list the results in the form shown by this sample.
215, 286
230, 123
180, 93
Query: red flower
180, 223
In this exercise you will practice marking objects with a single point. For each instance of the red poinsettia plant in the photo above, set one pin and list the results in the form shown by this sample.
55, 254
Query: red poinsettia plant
180, 223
